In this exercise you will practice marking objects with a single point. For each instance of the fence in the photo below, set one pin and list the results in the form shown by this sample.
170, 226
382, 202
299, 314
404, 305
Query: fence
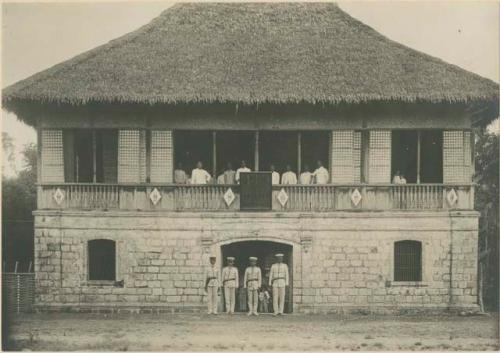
18, 291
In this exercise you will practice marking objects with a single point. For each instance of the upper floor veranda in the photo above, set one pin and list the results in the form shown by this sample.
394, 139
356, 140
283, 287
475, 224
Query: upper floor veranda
109, 166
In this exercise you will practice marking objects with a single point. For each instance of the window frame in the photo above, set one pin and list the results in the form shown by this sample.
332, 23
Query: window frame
423, 275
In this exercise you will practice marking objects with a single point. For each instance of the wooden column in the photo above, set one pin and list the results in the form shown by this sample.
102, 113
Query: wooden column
214, 155
419, 138
299, 153
94, 157
256, 151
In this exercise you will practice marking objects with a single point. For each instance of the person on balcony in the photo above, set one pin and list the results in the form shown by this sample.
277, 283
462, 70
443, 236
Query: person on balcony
180, 176
398, 178
242, 169
305, 178
230, 282
289, 177
200, 176
228, 177
252, 282
320, 175
275, 176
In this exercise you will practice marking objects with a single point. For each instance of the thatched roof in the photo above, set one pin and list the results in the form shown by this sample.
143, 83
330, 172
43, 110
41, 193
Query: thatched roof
252, 53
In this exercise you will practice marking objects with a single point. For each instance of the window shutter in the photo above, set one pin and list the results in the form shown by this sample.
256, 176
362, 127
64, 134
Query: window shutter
457, 158
129, 156
142, 156
379, 165
345, 156
52, 156
161, 156
69, 155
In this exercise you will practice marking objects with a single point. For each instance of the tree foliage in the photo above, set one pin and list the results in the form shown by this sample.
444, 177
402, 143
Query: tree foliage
19, 193
487, 174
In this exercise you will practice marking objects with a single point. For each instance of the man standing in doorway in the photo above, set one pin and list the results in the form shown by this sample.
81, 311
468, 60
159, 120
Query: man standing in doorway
321, 175
289, 177
275, 176
242, 169
229, 175
305, 177
253, 281
230, 283
279, 279
199, 175
212, 285
180, 176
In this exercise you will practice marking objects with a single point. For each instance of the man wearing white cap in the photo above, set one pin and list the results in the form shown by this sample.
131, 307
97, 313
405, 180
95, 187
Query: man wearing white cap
230, 283
212, 285
253, 281
278, 279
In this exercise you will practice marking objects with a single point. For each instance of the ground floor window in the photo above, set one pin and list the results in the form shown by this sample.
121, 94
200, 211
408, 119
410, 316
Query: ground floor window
102, 260
407, 260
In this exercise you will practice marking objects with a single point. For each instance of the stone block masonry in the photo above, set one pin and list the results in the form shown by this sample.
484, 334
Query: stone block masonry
342, 261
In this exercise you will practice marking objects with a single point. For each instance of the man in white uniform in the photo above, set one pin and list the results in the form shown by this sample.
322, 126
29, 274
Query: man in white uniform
275, 176
305, 177
212, 285
199, 175
242, 169
180, 176
230, 283
253, 281
278, 279
289, 177
321, 175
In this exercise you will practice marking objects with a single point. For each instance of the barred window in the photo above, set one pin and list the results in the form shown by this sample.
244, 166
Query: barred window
408, 260
102, 260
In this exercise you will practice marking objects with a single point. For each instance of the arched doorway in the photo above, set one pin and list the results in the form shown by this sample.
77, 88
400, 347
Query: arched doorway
265, 251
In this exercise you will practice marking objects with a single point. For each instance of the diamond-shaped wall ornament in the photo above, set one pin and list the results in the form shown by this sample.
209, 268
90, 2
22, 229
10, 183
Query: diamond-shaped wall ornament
229, 197
282, 197
451, 197
155, 196
356, 197
59, 196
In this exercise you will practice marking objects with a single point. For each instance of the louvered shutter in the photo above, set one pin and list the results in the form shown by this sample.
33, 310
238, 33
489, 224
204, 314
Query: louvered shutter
161, 156
129, 169
345, 156
379, 165
457, 158
142, 156
52, 156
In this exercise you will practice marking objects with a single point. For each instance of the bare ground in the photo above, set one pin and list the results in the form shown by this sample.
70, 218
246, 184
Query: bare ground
198, 332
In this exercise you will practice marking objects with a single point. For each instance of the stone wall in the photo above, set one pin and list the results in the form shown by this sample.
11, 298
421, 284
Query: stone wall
341, 261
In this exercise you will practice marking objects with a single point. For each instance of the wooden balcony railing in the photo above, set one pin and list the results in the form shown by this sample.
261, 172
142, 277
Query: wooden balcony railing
286, 198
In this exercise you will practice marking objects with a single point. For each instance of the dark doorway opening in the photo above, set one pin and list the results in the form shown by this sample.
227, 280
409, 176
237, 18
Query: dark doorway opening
404, 154
278, 148
265, 251
314, 148
431, 156
233, 147
191, 147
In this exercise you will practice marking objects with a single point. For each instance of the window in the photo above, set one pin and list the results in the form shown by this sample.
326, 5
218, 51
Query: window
102, 260
90, 156
418, 155
408, 261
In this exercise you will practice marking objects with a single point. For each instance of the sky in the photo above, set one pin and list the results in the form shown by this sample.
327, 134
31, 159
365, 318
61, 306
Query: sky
36, 36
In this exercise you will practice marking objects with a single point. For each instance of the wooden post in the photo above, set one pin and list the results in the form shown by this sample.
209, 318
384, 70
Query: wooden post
299, 153
15, 267
29, 268
419, 137
94, 156
256, 151
214, 156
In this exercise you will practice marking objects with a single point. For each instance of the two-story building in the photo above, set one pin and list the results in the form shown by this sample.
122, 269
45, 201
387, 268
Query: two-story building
272, 84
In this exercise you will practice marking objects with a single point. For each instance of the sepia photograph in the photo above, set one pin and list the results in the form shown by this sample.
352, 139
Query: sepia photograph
250, 176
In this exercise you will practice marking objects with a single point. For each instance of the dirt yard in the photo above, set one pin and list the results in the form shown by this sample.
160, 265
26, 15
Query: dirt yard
192, 332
